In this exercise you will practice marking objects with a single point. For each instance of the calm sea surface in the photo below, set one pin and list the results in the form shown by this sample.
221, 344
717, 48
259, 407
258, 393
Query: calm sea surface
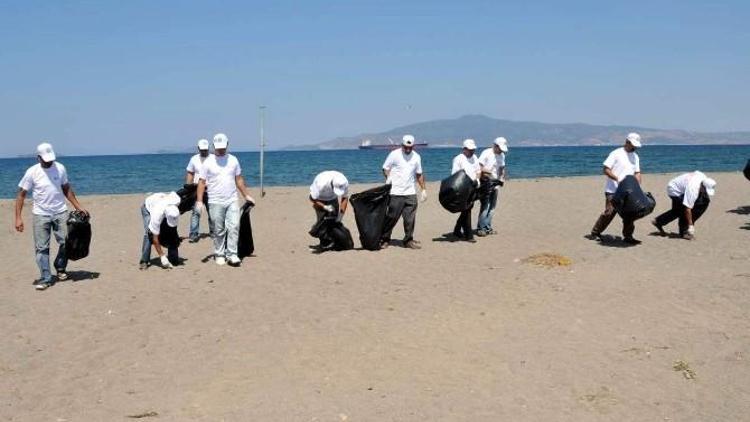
165, 172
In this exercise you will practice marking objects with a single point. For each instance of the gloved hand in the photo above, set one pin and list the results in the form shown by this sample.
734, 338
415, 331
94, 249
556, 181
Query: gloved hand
328, 208
165, 262
691, 230
250, 199
423, 195
477, 183
339, 217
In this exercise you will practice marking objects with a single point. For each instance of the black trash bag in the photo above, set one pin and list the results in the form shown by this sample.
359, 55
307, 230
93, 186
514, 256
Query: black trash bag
747, 170
700, 206
188, 194
332, 234
79, 236
370, 208
457, 192
168, 236
245, 244
487, 185
630, 201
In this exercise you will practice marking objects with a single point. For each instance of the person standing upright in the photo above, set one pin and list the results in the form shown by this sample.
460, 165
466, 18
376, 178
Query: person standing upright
492, 161
221, 176
49, 186
621, 162
194, 168
467, 162
402, 169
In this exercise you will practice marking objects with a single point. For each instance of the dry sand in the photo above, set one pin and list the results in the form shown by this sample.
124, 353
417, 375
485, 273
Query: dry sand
452, 332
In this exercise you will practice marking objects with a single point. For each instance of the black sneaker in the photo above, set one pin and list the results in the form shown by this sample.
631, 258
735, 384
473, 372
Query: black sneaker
62, 275
193, 240
658, 227
42, 285
631, 241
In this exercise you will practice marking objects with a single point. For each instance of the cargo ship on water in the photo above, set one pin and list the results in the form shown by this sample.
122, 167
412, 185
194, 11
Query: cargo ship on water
367, 144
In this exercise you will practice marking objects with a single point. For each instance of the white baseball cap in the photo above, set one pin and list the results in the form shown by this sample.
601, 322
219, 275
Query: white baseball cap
634, 139
502, 143
173, 215
710, 185
203, 144
340, 185
470, 144
407, 140
45, 151
220, 141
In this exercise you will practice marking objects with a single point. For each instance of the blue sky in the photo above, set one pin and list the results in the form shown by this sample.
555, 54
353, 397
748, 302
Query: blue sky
97, 77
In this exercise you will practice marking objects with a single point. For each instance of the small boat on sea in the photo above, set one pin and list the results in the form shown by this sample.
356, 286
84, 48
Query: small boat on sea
367, 144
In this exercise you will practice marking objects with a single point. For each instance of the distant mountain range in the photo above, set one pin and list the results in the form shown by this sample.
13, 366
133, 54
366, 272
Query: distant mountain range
483, 129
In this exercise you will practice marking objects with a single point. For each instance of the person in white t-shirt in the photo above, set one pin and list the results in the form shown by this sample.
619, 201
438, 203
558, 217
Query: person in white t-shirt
402, 169
467, 162
689, 193
492, 161
193, 169
155, 209
621, 162
48, 183
329, 195
221, 177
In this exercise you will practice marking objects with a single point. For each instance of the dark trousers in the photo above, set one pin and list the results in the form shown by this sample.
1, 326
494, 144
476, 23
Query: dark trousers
400, 206
628, 226
678, 213
463, 224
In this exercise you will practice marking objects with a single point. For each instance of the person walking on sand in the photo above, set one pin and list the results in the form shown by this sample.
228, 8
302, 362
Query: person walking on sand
49, 186
621, 162
402, 169
467, 162
194, 168
329, 195
690, 194
492, 162
221, 177
155, 209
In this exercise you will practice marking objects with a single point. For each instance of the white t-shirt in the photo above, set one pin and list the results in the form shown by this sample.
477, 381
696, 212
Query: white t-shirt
688, 184
156, 204
45, 185
195, 165
322, 186
470, 165
403, 170
491, 161
219, 174
622, 163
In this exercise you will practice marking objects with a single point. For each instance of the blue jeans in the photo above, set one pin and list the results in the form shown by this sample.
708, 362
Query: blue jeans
487, 206
172, 253
226, 228
44, 227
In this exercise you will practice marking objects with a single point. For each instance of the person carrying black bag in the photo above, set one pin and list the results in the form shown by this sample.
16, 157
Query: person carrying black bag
468, 163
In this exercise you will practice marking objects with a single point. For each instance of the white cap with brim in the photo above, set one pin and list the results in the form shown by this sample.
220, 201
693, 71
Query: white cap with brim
45, 152
502, 143
634, 139
407, 141
173, 215
203, 144
220, 141
710, 185
340, 185
470, 144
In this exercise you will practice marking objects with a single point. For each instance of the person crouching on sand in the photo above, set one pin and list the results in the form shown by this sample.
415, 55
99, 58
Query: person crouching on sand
689, 193
329, 195
619, 163
221, 176
49, 186
155, 209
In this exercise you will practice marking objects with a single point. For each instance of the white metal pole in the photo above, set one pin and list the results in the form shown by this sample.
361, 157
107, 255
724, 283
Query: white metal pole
262, 149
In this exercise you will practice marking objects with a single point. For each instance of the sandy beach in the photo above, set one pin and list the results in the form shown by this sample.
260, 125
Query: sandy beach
451, 332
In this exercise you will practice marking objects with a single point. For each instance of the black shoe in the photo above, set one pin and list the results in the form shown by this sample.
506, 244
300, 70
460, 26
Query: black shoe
659, 227
631, 241
193, 240
62, 275
593, 236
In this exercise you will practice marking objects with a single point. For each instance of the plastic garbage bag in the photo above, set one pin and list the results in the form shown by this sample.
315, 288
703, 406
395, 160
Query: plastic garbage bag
630, 201
79, 236
332, 234
245, 244
168, 236
457, 192
747, 170
370, 208
188, 194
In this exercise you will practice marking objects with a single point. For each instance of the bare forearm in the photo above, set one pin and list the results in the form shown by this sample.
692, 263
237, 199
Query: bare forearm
157, 245
608, 173
689, 216
420, 181
638, 177
68, 190
189, 177
20, 198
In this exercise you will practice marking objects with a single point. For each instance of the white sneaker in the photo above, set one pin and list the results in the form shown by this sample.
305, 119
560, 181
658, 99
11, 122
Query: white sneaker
234, 260
220, 260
